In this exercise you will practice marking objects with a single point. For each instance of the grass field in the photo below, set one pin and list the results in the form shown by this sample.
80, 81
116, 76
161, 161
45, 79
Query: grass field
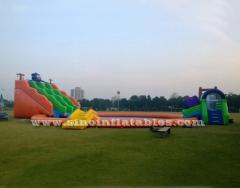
41, 156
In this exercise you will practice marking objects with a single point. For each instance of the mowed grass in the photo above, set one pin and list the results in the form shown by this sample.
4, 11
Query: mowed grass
112, 157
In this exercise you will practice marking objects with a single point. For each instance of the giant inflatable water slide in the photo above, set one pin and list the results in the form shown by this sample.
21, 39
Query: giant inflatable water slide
32, 97
43, 102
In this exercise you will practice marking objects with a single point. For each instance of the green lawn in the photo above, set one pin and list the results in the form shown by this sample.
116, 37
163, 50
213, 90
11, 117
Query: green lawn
52, 157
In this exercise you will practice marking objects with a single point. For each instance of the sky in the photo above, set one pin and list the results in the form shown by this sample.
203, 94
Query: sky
137, 47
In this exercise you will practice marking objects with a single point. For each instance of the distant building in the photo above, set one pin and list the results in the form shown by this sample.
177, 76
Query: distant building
73, 93
77, 93
113, 109
1, 102
115, 98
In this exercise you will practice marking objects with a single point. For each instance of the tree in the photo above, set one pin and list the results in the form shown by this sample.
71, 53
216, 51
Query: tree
175, 100
134, 97
163, 102
8, 104
149, 102
108, 103
142, 102
174, 95
134, 102
233, 101
124, 104
156, 103
95, 104
85, 103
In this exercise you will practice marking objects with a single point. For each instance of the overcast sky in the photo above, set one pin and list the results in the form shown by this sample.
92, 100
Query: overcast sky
137, 47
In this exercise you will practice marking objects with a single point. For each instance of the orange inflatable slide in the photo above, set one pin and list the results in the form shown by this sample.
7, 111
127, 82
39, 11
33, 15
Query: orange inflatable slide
28, 102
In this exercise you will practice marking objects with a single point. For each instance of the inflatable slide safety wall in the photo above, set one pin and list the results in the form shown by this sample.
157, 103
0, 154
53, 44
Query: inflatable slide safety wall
27, 101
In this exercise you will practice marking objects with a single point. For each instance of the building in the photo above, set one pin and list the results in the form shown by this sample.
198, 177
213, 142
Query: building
77, 93
1, 102
115, 98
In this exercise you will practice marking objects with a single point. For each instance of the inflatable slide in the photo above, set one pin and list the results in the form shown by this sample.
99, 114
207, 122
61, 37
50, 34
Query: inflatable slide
36, 97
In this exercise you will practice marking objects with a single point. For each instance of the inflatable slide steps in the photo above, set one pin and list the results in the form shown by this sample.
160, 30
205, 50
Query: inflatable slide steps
215, 117
56, 104
218, 105
60, 102
64, 97
57, 95
218, 115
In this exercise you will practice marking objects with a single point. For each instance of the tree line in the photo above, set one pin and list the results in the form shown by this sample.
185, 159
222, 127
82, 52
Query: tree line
8, 104
233, 101
147, 103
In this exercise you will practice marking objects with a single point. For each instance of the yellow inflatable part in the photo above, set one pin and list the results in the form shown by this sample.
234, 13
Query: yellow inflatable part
95, 117
82, 116
92, 117
91, 111
70, 124
76, 113
79, 120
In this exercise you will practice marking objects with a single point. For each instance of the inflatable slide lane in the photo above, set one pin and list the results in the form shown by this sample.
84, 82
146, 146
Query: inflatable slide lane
193, 107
